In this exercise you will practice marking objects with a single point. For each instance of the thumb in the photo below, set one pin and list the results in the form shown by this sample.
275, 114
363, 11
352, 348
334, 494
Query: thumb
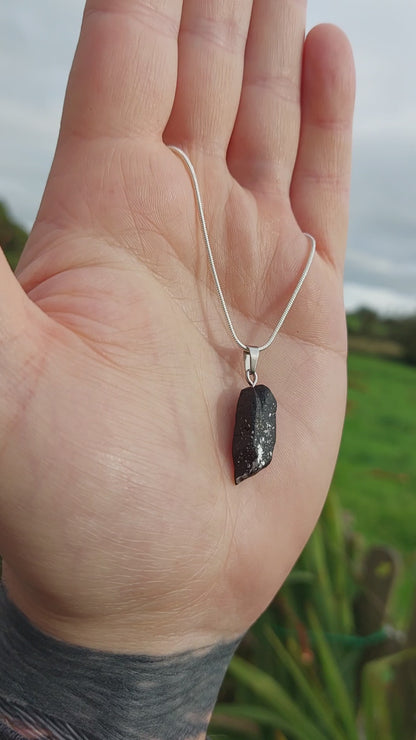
19, 349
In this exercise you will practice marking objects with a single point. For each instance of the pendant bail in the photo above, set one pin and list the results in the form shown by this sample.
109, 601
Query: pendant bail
251, 358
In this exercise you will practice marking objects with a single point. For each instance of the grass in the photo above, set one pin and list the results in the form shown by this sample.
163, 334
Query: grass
375, 476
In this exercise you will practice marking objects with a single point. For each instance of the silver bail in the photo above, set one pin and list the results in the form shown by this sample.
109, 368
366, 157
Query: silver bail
251, 358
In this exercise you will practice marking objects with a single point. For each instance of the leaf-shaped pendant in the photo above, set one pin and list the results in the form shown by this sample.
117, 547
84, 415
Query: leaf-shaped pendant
254, 431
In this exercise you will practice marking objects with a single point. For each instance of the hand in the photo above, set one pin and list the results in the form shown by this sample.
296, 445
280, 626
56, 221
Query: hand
120, 524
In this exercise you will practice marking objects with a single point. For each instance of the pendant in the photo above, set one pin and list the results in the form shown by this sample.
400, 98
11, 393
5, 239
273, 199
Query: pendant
255, 424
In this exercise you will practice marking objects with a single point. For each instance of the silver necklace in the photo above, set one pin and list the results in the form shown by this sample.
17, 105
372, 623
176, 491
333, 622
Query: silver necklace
255, 424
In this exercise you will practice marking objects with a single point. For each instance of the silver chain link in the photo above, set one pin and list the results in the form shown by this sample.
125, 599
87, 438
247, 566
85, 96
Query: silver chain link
243, 346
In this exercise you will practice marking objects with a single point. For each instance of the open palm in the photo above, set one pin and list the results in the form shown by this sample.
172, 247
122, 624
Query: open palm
120, 524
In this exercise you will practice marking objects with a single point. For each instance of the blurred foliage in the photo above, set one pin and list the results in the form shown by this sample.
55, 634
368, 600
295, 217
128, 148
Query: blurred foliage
12, 236
389, 337
404, 332
304, 672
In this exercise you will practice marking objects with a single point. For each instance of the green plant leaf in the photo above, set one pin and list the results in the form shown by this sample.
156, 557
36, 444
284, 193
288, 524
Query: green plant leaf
339, 568
323, 597
272, 694
299, 576
265, 717
336, 688
321, 708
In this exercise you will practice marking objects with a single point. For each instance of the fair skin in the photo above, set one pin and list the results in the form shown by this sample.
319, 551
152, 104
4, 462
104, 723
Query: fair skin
120, 524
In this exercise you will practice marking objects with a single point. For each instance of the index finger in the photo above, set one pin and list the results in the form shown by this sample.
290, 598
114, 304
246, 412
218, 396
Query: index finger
123, 77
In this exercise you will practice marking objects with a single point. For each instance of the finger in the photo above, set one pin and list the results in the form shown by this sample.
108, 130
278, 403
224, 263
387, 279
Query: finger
264, 142
124, 74
212, 39
321, 179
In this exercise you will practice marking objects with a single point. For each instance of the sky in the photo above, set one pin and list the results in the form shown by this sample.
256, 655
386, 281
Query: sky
37, 43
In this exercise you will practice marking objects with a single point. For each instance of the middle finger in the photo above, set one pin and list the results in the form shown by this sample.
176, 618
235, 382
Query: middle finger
211, 47
264, 143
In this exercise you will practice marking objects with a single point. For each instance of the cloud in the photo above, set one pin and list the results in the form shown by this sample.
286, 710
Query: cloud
37, 42
382, 238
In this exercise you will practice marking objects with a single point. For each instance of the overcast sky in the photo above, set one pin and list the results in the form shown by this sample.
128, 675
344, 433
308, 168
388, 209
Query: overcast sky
37, 42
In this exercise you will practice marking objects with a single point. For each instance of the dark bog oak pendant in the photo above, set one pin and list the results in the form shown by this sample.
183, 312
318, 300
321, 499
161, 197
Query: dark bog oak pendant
254, 431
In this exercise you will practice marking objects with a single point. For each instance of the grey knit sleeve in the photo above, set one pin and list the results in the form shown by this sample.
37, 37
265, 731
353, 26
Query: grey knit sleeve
51, 690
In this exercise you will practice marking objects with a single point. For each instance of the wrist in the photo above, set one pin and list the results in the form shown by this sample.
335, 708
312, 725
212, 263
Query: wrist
104, 694
159, 633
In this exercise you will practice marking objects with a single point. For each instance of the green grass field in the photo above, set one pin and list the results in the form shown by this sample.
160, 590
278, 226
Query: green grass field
375, 475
